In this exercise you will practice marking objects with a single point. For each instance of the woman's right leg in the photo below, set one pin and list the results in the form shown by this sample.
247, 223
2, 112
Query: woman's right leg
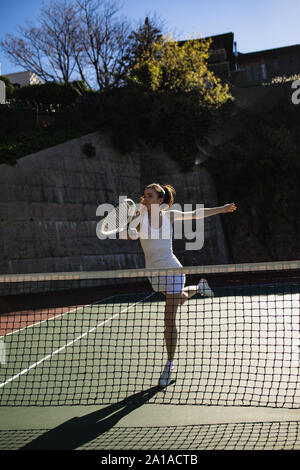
173, 301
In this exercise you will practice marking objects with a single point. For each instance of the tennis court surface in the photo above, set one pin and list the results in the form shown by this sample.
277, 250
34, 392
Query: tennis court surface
82, 354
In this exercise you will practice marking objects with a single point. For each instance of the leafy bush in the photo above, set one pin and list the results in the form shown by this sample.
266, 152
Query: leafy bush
24, 131
174, 121
25, 144
49, 94
10, 88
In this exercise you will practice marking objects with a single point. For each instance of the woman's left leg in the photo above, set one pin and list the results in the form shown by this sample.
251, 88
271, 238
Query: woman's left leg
201, 288
173, 301
190, 291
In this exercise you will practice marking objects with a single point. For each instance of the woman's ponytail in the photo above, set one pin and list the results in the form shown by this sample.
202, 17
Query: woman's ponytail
169, 194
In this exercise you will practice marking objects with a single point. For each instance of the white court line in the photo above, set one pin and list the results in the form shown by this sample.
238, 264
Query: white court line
58, 316
24, 371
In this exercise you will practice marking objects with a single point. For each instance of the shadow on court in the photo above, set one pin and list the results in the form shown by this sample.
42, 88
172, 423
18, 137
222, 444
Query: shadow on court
79, 431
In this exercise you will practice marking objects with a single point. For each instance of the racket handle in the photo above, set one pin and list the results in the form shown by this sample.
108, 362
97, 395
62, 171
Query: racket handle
130, 234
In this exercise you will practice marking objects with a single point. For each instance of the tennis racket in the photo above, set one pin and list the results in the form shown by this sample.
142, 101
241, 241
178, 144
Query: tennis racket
119, 218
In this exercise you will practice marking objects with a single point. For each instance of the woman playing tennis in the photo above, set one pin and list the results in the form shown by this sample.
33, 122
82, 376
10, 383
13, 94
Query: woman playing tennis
158, 253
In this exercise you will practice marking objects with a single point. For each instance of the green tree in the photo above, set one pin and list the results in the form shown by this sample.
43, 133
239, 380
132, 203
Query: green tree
173, 67
143, 37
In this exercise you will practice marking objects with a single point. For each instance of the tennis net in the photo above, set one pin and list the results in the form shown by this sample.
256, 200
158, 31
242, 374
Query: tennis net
99, 337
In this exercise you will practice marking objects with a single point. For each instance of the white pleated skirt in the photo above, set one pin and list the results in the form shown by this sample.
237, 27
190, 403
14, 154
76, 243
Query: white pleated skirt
170, 283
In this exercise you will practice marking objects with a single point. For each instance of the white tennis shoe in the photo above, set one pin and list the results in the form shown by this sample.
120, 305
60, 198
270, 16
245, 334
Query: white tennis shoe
204, 288
165, 377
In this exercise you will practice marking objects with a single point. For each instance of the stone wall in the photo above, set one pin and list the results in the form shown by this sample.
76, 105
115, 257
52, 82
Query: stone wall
48, 204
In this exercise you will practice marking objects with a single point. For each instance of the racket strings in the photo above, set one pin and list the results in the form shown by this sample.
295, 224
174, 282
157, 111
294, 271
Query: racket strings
119, 217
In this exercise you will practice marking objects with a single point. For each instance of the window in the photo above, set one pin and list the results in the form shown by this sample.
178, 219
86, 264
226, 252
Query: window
263, 71
256, 71
249, 73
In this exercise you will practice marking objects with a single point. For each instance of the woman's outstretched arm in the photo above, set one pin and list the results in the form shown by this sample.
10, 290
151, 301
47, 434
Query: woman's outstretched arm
201, 213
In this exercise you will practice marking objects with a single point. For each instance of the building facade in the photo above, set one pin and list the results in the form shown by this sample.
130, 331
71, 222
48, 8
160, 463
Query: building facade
252, 68
221, 59
255, 68
24, 78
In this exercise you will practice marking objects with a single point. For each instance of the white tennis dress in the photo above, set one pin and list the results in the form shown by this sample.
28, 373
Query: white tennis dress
158, 250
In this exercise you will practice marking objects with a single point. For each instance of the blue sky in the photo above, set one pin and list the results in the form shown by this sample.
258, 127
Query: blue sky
256, 24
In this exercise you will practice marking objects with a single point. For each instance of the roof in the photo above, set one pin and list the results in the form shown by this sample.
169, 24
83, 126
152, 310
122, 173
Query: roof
220, 41
242, 55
